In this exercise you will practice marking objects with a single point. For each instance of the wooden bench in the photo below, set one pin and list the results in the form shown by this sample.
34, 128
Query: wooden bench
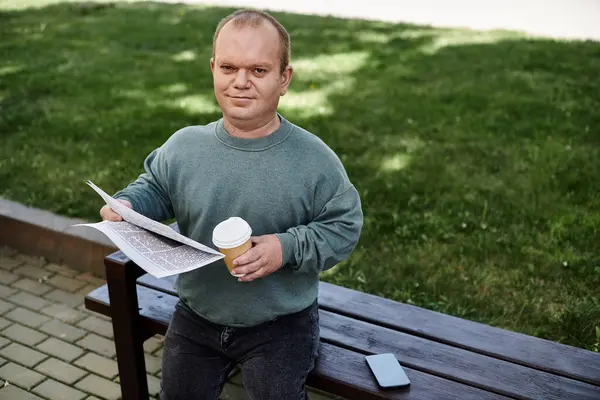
444, 357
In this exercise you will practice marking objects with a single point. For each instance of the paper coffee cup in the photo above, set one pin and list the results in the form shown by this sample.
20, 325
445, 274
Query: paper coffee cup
232, 237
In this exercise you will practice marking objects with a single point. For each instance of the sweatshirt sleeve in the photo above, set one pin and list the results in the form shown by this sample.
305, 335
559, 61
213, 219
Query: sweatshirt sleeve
149, 194
328, 239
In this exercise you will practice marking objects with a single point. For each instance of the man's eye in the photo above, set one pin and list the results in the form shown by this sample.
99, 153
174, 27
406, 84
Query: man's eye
260, 70
226, 67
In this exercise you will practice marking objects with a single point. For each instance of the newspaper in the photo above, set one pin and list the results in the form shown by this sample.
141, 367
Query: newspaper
155, 247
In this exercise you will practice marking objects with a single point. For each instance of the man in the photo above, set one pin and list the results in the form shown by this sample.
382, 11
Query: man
295, 194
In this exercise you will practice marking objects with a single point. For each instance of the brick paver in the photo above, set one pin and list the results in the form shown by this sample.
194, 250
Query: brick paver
4, 323
20, 376
100, 387
60, 370
9, 264
66, 283
4, 306
86, 289
26, 317
32, 286
4, 342
63, 313
32, 272
6, 278
62, 270
52, 389
99, 365
100, 326
14, 393
28, 300
22, 334
98, 344
153, 344
60, 349
52, 347
91, 279
62, 331
153, 364
60, 296
23, 355
30, 261
6, 291
153, 385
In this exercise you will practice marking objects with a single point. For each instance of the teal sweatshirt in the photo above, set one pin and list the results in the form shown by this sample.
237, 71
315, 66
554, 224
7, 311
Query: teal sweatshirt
288, 183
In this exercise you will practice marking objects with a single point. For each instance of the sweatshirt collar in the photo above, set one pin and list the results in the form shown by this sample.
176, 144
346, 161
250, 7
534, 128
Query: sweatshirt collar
258, 144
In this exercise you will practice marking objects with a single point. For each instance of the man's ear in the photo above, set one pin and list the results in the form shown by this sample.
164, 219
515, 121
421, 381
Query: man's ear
212, 64
286, 79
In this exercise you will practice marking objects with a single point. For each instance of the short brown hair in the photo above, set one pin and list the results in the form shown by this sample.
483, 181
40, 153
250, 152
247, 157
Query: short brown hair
253, 18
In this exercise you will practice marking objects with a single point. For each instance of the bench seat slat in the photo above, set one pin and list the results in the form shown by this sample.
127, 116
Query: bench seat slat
350, 366
505, 345
338, 369
537, 353
166, 285
155, 307
453, 363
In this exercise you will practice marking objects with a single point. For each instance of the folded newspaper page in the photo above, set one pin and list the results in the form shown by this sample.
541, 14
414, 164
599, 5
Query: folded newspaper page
155, 247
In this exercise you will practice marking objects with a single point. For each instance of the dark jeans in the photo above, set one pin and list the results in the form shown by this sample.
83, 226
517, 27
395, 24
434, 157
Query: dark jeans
275, 357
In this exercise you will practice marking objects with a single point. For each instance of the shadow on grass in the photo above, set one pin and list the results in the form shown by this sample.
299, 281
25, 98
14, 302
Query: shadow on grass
476, 153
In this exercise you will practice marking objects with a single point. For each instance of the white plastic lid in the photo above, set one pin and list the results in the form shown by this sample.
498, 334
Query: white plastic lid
231, 233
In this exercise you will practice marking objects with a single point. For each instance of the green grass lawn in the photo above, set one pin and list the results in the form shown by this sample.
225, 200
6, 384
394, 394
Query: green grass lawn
476, 153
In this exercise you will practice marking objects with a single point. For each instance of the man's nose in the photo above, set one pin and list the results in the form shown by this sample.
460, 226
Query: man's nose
241, 79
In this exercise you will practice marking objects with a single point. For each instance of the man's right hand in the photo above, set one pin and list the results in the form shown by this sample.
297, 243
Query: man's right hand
108, 214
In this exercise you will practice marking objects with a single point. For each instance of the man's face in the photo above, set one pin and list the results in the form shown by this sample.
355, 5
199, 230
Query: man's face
246, 74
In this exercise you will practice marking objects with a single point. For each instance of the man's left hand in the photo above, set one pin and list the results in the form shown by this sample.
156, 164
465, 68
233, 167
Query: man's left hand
264, 258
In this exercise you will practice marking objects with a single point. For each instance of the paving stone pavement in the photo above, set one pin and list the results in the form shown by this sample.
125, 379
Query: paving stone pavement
53, 348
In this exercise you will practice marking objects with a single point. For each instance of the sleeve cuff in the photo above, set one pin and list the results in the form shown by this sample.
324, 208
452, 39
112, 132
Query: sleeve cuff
288, 244
134, 205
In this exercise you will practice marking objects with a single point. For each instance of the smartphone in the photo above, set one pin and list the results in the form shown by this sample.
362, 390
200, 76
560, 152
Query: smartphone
387, 371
